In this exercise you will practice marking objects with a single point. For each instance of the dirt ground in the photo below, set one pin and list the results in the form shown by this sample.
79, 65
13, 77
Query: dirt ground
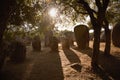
72, 64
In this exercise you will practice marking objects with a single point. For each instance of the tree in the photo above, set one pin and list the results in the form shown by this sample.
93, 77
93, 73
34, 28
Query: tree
113, 9
5, 9
113, 12
97, 13
98, 21
15, 12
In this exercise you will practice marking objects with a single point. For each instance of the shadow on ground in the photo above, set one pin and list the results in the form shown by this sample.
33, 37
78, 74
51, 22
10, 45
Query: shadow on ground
13, 71
73, 58
43, 65
109, 66
49, 69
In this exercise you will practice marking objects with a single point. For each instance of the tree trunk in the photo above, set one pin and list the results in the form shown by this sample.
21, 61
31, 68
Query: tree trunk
108, 41
2, 30
96, 46
2, 55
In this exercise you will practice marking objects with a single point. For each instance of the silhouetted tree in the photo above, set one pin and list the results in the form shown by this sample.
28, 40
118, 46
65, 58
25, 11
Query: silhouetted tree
15, 12
97, 13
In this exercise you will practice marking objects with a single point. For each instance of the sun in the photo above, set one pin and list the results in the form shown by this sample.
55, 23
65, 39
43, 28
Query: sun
53, 12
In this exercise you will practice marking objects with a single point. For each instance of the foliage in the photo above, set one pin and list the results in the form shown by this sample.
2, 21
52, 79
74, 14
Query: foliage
113, 12
78, 13
36, 12
23, 11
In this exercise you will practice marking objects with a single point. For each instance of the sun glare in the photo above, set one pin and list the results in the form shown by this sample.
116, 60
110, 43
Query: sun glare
53, 12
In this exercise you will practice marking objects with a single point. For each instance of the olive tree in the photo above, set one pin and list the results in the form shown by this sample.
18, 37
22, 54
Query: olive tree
97, 11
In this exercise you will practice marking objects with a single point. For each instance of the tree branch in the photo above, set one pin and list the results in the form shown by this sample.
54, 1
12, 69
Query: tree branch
105, 4
78, 11
90, 12
88, 9
98, 4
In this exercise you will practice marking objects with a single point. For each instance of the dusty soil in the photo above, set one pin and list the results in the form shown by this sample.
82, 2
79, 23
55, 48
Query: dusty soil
70, 64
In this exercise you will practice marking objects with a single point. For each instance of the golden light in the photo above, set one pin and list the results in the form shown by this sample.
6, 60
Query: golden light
53, 12
48, 1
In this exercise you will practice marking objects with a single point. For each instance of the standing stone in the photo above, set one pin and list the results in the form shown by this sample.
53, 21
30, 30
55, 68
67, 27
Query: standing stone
36, 43
70, 36
82, 36
65, 43
3, 53
48, 36
54, 44
115, 35
102, 37
18, 51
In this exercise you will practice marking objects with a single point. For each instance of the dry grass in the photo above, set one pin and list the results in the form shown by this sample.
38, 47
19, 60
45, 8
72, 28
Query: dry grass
69, 64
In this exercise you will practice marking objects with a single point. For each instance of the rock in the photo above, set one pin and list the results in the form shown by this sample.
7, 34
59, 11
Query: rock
115, 35
48, 36
18, 52
54, 44
36, 43
65, 43
82, 36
